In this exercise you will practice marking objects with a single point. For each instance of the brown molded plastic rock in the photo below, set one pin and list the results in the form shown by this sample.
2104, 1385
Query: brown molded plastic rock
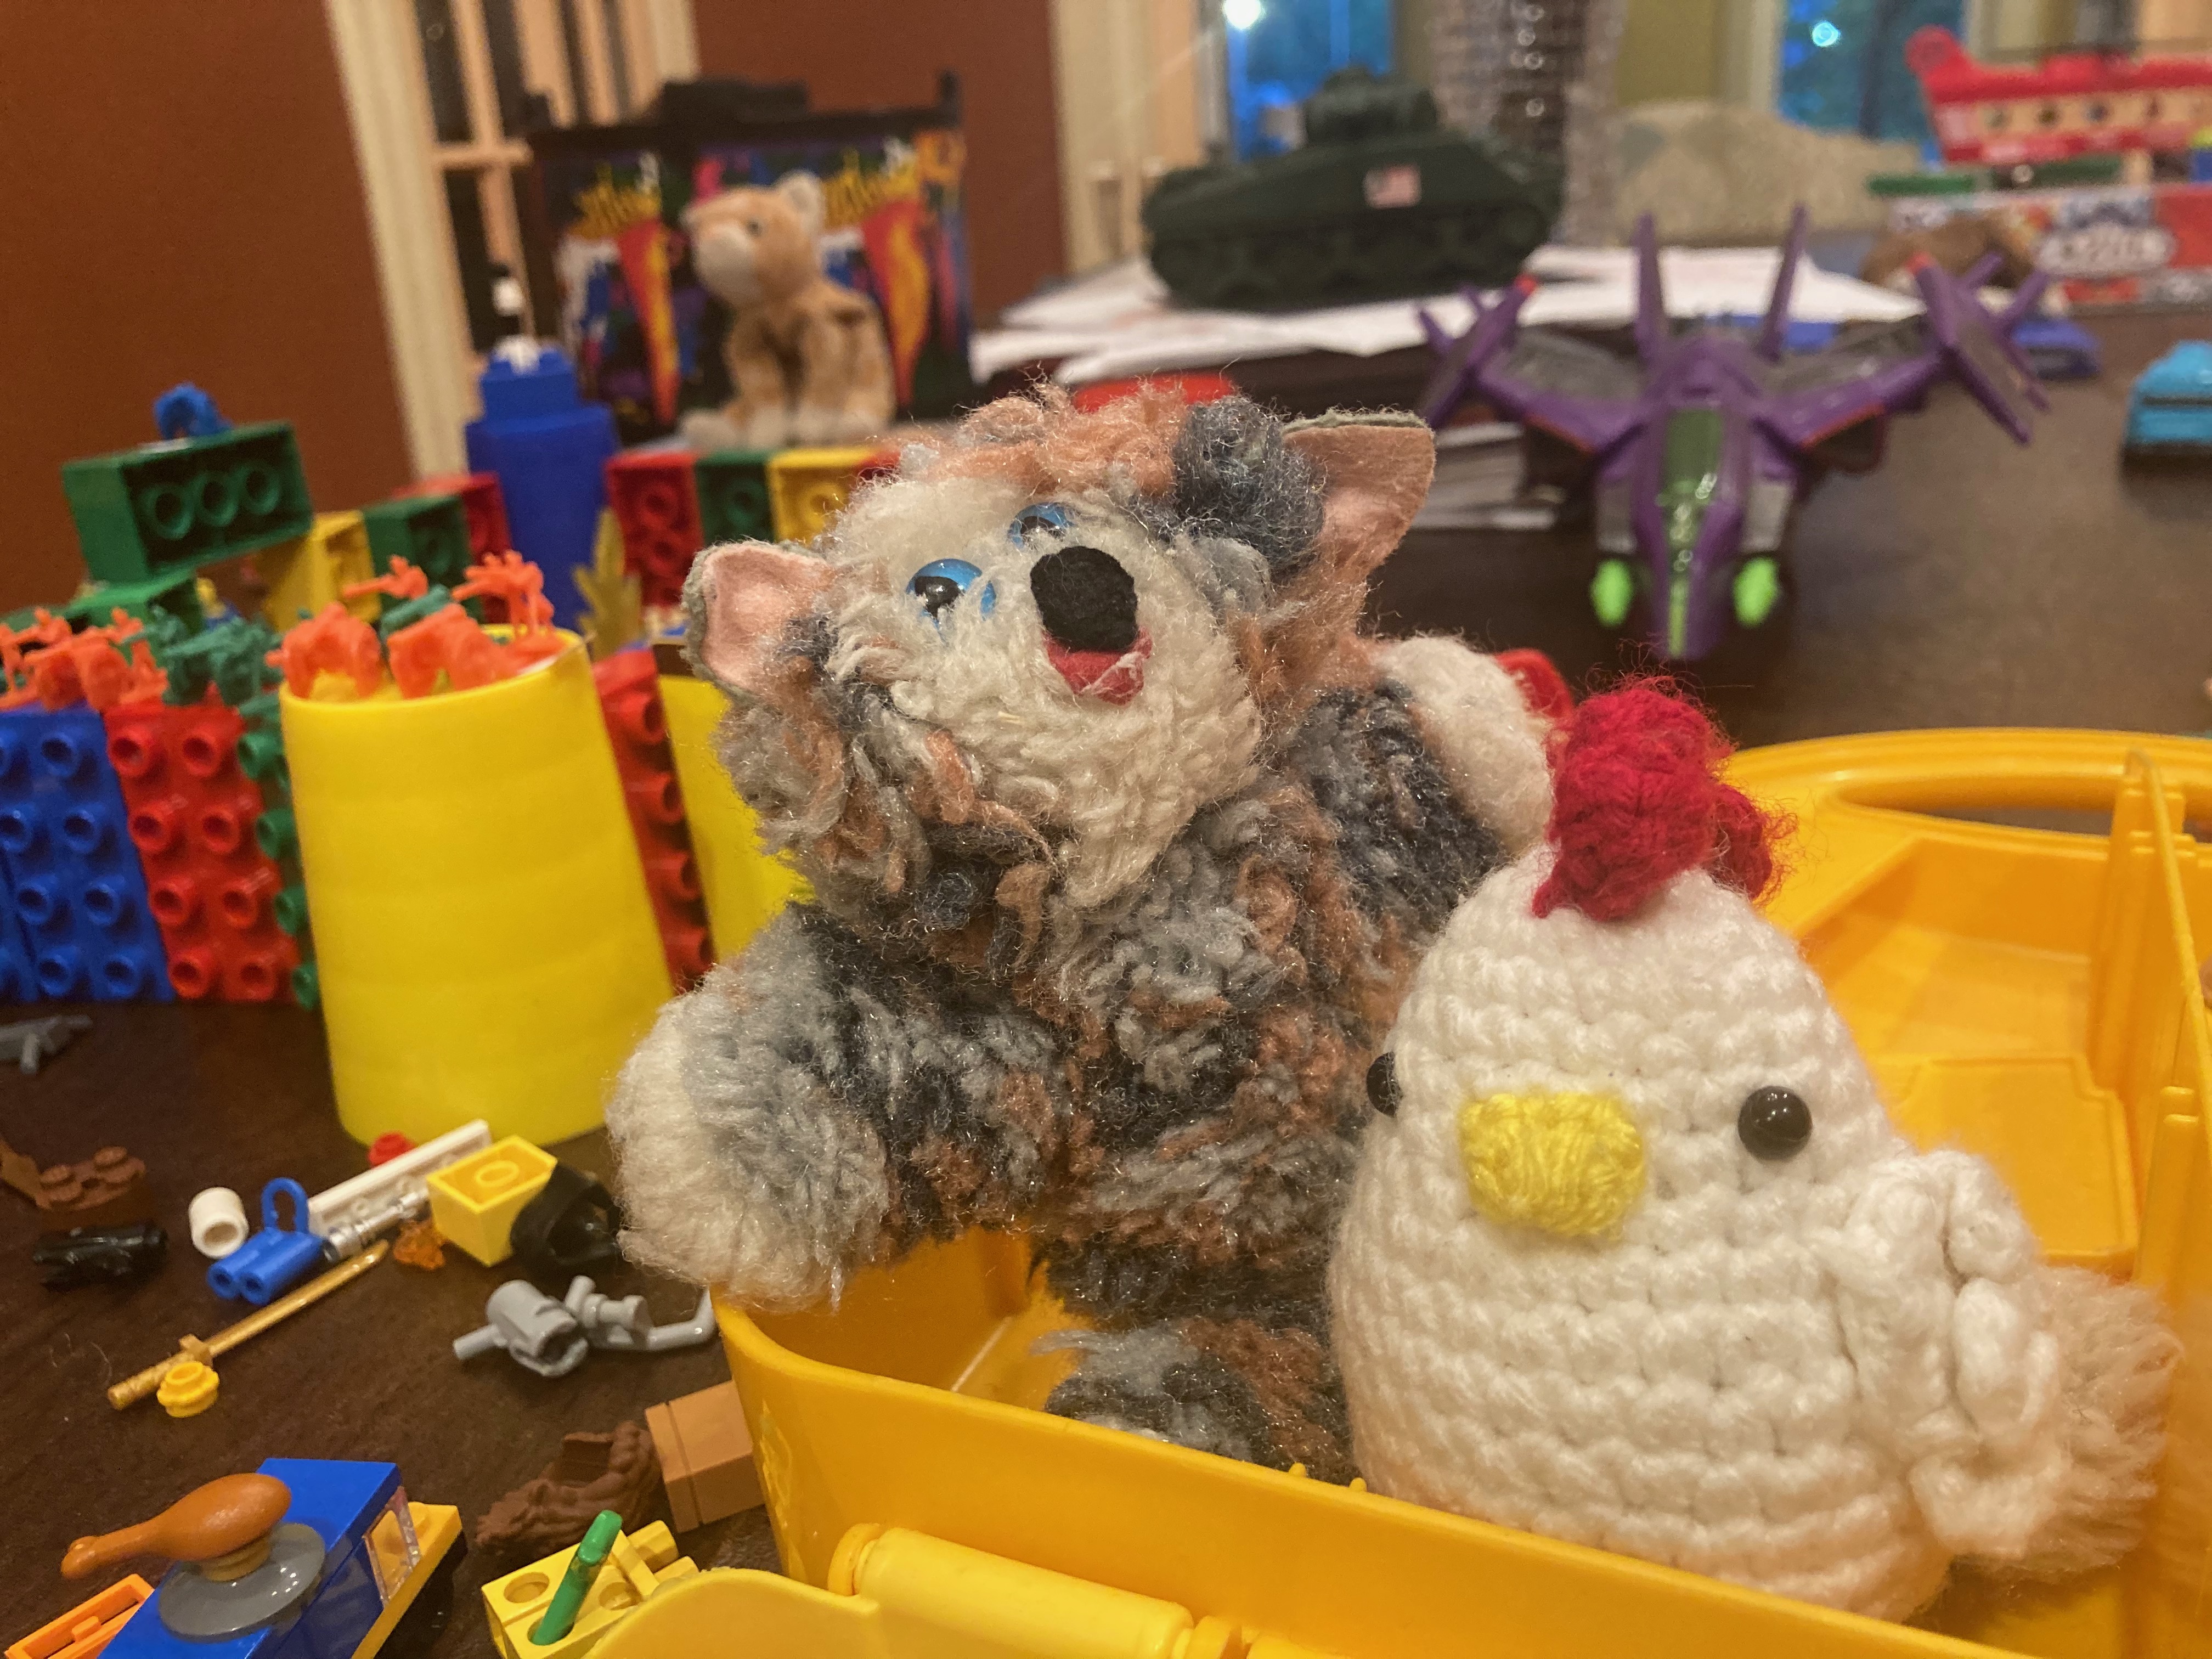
594, 1471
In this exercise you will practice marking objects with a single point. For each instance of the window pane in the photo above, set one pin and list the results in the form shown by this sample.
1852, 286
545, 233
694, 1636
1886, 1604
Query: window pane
442, 68
1278, 51
617, 55
572, 47
506, 46
1842, 64
473, 254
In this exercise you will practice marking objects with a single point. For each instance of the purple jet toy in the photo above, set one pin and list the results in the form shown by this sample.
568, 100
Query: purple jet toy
1701, 447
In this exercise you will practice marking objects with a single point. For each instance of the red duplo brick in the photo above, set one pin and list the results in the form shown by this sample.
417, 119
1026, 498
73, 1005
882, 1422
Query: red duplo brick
629, 698
208, 883
485, 507
656, 502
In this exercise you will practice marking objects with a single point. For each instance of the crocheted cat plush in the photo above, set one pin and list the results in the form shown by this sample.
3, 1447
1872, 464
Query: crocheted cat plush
1638, 1260
1123, 841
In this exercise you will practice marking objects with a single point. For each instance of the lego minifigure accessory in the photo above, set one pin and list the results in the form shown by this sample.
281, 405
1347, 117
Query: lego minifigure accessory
242, 1565
551, 1338
1636, 1258
1123, 839
217, 1221
135, 1387
89, 1255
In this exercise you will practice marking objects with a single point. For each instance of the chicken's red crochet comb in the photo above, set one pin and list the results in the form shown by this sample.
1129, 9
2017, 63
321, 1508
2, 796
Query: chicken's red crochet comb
1636, 799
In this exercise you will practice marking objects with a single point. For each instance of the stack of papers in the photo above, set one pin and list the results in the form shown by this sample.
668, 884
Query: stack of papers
1119, 321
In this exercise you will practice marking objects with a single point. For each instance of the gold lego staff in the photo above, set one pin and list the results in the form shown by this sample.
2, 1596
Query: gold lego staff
132, 1390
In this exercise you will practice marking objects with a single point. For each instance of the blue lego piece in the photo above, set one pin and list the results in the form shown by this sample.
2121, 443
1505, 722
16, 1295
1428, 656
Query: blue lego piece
185, 411
548, 449
19, 978
73, 877
341, 1502
2059, 349
276, 1258
2170, 408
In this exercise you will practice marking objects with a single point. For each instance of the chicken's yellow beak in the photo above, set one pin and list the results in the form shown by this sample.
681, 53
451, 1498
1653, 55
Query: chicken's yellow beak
1571, 1165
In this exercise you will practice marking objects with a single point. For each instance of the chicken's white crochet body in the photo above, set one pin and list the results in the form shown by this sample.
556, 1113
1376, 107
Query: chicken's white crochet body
1823, 1373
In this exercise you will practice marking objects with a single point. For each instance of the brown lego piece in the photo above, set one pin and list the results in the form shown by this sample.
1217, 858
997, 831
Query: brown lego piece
706, 1455
593, 1472
19, 1171
107, 1189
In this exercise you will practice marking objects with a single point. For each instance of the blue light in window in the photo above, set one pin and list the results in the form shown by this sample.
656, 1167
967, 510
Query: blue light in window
1825, 34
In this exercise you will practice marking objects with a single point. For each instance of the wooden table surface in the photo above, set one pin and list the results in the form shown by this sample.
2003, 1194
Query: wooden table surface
1968, 583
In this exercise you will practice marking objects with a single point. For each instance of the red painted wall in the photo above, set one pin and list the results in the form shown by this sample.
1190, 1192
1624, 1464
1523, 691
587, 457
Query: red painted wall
854, 53
182, 204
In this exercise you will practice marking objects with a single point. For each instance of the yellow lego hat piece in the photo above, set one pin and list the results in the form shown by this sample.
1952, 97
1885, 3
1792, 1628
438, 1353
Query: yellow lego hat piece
474, 1202
640, 1564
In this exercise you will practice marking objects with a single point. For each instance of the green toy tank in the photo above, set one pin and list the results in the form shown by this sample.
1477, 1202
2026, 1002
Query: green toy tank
1381, 202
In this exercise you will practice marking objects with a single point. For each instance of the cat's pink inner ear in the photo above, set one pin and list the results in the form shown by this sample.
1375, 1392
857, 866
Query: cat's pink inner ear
753, 593
1374, 479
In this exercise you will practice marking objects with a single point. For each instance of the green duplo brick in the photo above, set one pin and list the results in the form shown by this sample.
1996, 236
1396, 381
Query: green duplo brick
431, 532
176, 595
733, 486
171, 507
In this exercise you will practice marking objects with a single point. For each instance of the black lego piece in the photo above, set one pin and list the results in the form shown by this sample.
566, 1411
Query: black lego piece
570, 1227
86, 1255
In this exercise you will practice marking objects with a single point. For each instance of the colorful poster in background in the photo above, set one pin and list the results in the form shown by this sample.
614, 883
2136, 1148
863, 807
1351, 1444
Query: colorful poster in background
2105, 246
646, 337
615, 258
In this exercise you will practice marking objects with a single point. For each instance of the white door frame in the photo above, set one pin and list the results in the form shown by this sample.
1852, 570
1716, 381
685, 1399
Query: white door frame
425, 319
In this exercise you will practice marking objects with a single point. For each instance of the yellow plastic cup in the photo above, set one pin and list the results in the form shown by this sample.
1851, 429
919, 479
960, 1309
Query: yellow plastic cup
484, 940
744, 886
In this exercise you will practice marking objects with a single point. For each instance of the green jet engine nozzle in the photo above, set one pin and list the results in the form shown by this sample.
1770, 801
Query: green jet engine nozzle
1758, 587
1613, 590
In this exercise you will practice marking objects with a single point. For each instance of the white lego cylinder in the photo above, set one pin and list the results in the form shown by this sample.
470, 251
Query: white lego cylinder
217, 1220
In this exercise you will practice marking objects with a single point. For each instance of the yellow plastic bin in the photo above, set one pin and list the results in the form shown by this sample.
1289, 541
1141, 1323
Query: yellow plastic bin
743, 887
2029, 994
482, 930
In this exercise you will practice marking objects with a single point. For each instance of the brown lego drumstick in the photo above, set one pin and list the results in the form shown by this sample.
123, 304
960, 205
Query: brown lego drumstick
131, 1390
224, 1525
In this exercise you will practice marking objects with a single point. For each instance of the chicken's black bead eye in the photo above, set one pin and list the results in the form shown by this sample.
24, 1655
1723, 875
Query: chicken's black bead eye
1382, 1085
1774, 1124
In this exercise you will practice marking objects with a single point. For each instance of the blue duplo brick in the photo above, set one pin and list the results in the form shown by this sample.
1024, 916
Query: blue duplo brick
19, 981
73, 877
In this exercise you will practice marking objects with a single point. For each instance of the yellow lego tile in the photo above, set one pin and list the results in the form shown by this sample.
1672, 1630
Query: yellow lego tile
806, 488
307, 575
640, 1564
475, 1202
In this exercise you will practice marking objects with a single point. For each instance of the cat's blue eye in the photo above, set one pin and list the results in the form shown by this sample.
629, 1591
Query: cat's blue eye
941, 582
1032, 520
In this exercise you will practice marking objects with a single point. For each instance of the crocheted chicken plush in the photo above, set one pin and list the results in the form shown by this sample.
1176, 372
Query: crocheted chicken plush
1123, 841
1636, 1259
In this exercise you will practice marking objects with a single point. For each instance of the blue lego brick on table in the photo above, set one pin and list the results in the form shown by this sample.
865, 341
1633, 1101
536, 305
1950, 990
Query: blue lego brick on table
548, 449
341, 1501
73, 882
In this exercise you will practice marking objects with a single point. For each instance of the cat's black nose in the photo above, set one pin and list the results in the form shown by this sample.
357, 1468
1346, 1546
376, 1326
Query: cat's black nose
1086, 599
